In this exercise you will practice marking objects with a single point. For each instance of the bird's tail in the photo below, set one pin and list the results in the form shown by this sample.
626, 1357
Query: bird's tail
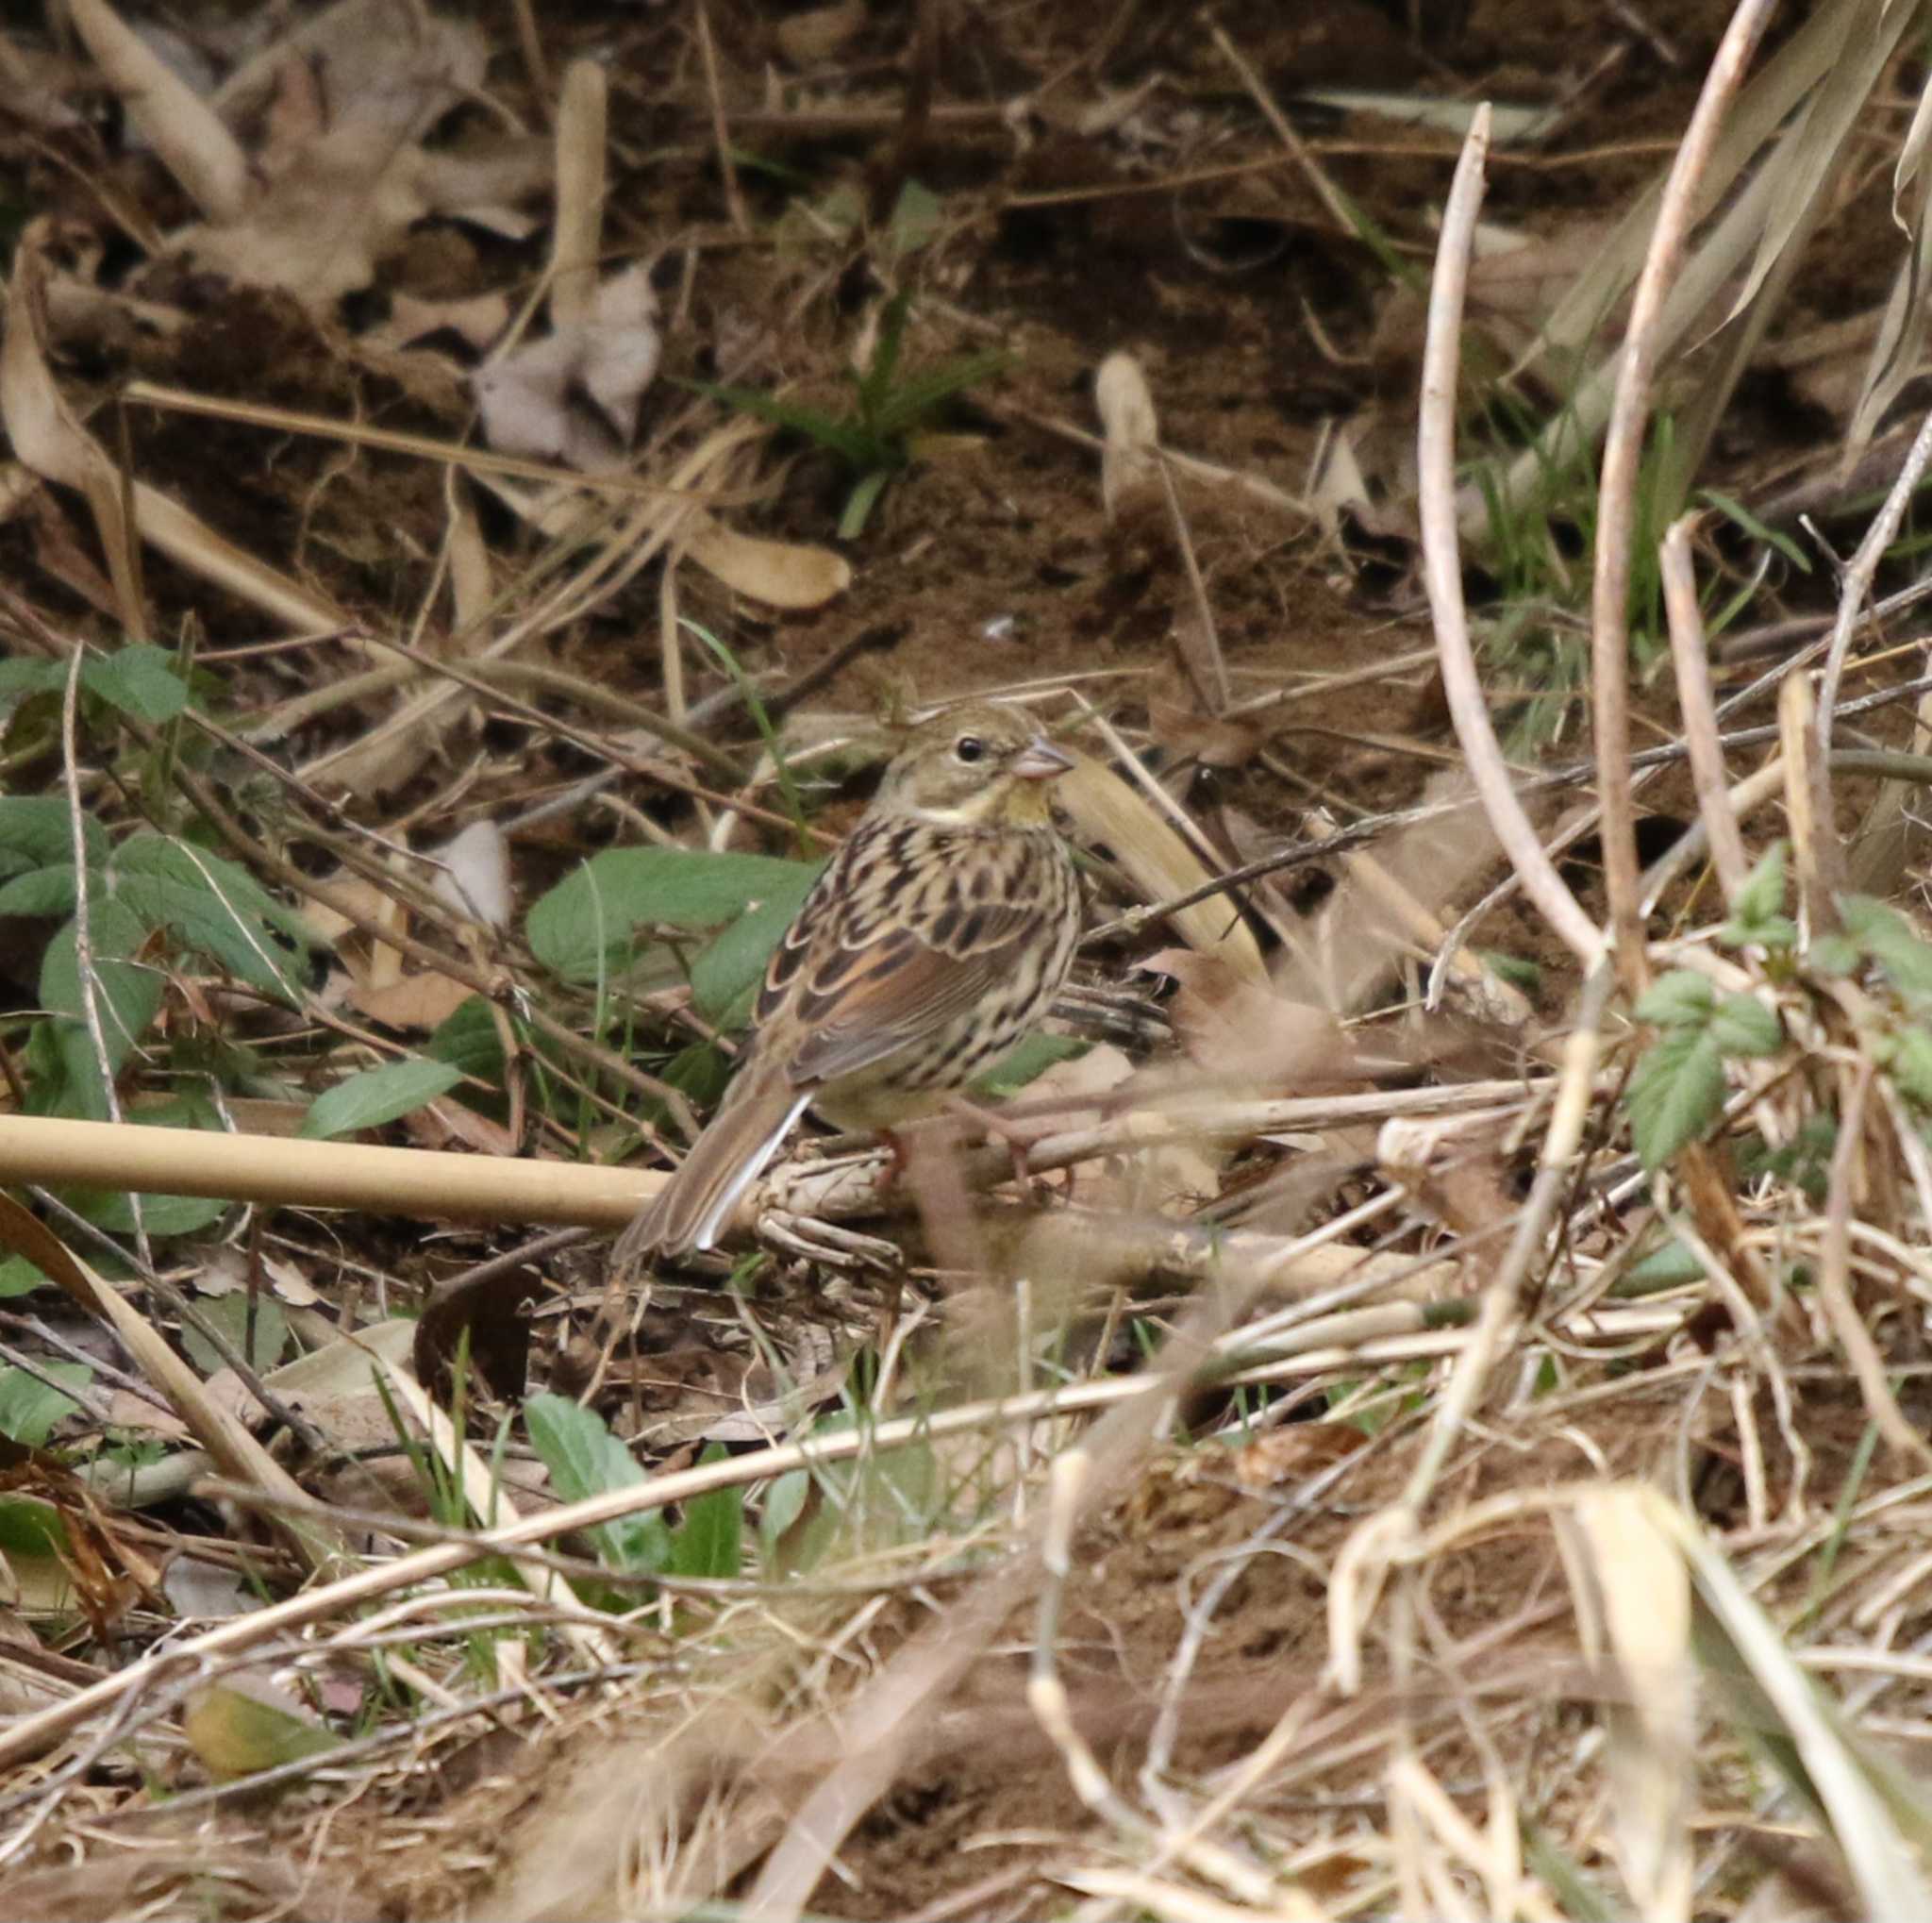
690, 1209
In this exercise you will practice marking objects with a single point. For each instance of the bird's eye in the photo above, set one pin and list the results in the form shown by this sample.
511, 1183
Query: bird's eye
969, 747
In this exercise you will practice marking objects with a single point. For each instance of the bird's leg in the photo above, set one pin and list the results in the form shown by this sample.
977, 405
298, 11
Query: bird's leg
1016, 1136
898, 1160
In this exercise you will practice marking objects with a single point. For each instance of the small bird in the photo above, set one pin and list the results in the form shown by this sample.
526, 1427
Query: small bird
938, 935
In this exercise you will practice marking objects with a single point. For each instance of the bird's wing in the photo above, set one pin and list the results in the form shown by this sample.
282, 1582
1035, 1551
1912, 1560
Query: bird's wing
855, 986
898, 989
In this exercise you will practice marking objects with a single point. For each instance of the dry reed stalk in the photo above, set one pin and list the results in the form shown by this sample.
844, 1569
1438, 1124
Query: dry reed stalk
1617, 487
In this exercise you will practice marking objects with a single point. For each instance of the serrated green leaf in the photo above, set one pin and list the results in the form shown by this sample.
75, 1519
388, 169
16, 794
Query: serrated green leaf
1676, 1094
1742, 1026
1834, 955
140, 680
1911, 1064
29, 1408
1763, 892
589, 920
584, 1459
377, 1096
1890, 941
1681, 999
1776, 932
709, 1540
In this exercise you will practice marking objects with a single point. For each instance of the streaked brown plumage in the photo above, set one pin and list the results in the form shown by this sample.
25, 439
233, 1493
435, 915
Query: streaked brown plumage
943, 929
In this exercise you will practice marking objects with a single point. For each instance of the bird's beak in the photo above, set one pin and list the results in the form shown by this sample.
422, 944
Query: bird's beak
1039, 761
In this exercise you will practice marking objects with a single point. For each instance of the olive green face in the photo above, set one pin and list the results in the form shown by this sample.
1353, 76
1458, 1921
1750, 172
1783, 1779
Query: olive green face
978, 766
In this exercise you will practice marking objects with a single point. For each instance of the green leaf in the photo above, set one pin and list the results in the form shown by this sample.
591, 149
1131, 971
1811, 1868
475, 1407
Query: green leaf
1911, 1065
127, 994
468, 1040
30, 1408
19, 1276
213, 906
240, 1727
1681, 999
861, 501
919, 395
1031, 1057
230, 1315
588, 920
1676, 1093
31, 1528
584, 1459
161, 1215
1758, 530
138, 680
1742, 1025
1890, 941
1776, 931
36, 830
1669, 1267
726, 975
844, 437
31, 677
1518, 971
710, 1539
915, 217
377, 1096
1834, 955
783, 1503
1763, 892
49, 890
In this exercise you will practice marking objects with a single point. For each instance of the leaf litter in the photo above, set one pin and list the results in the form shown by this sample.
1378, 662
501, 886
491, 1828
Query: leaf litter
1324, 1133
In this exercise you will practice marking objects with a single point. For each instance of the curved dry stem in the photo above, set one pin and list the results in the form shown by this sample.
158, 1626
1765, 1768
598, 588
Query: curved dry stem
1442, 565
1864, 566
1617, 487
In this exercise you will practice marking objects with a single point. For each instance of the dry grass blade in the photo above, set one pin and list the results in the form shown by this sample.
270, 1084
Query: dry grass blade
1861, 1799
1901, 336
1640, 1591
46, 436
225, 1439
1105, 808
191, 138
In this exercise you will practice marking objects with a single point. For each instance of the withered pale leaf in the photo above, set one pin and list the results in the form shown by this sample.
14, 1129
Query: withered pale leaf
780, 574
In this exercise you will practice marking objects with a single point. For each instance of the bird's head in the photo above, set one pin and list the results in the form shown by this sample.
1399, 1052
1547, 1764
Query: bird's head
980, 765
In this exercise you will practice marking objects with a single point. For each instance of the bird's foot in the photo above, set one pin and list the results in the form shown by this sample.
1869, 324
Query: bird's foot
1017, 1137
